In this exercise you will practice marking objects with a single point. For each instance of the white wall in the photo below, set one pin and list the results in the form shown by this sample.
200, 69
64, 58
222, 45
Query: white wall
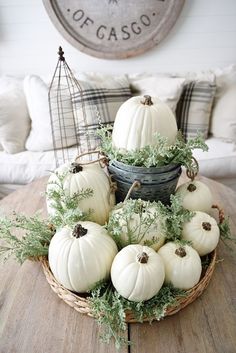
203, 37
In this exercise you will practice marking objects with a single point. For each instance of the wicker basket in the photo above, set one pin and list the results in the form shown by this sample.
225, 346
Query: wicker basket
81, 304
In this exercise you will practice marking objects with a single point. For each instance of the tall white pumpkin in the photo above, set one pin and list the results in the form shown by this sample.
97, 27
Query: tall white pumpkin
80, 177
81, 257
139, 119
137, 273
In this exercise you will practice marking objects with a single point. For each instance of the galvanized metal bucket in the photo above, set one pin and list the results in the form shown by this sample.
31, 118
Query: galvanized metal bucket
154, 184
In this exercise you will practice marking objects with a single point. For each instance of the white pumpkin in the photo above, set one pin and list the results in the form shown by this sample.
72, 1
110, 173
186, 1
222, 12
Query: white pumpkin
182, 265
203, 231
196, 196
82, 256
137, 273
80, 177
141, 227
139, 119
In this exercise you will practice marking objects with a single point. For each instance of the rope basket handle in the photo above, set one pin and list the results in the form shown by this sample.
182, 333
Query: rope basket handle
103, 161
191, 174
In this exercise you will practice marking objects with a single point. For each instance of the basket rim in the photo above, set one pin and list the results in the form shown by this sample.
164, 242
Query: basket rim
81, 304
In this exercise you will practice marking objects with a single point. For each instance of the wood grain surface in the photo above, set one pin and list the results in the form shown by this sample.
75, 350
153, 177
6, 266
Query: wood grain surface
34, 320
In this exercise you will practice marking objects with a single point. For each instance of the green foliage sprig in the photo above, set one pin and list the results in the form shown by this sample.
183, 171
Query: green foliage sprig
109, 308
34, 242
225, 232
175, 216
35, 236
168, 220
153, 156
134, 218
65, 206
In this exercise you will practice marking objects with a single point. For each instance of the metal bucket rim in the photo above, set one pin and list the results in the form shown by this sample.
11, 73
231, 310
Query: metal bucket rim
144, 170
128, 184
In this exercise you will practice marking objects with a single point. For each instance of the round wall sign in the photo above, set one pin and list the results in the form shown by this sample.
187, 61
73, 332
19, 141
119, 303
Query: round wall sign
114, 29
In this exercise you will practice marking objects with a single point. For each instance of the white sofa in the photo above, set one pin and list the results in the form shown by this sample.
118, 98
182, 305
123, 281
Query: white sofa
219, 163
20, 164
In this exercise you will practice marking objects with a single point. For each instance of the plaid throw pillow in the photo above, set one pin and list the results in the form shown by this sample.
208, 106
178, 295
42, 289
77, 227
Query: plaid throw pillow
194, 108
101, 103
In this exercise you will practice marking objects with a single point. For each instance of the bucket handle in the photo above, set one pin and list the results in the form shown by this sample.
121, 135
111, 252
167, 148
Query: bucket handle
191, 174
103, 161
136, 185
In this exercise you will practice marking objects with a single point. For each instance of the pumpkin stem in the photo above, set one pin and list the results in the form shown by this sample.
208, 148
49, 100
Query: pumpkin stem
180, 252
51, 228
191, 187
79, 231
75, 168
142, 258
147, 100
206, 226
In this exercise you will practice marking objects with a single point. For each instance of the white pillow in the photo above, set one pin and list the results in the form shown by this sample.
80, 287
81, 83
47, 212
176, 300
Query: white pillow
224, 116
101, 78
168, 89
194, 108
40, 137
197, 76
14, 117
225, 77
223, 119
101, 100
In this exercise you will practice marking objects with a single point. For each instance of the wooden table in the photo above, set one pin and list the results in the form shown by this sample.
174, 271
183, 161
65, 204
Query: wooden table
34, 320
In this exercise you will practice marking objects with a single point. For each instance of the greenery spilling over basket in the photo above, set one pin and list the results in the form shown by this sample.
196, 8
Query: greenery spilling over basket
113, 312
103, 302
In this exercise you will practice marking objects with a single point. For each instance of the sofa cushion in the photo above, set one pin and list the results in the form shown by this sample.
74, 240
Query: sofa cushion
14, 117
168, 89
101, 101
223, 123
24, 167
223, 119
40, 137
194, 108
219, 161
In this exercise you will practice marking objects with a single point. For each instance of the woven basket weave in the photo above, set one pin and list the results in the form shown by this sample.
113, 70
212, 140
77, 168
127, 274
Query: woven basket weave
81, 304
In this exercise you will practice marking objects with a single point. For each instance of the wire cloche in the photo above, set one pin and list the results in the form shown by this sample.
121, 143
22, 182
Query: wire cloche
65, 112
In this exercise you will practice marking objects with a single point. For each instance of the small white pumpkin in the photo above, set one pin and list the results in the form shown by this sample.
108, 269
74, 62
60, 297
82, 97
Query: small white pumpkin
196, 196
137, 273
139, 119
182, 265
203, 231
82, 256
141, 225
80, 177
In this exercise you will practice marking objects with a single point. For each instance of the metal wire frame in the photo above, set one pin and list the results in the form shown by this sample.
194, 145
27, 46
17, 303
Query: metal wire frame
64, 111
